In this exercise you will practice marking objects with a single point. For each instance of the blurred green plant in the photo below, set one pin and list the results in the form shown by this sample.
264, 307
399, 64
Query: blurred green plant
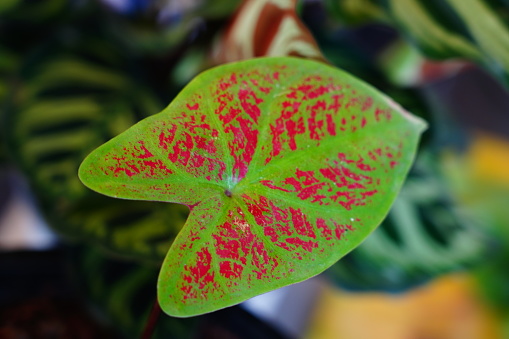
125, 291
476, 30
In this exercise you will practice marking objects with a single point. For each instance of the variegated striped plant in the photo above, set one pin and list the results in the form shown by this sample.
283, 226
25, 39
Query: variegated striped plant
266, 28
49, 136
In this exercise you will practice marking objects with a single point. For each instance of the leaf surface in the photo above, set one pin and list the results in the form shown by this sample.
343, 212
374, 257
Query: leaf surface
286, 165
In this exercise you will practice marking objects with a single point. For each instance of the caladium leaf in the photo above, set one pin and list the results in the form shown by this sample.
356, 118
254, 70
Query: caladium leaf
286, 165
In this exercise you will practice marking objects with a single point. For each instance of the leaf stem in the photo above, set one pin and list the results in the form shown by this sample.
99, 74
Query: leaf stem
151, 321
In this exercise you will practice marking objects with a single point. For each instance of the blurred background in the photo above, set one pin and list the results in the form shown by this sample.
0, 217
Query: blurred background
75, 73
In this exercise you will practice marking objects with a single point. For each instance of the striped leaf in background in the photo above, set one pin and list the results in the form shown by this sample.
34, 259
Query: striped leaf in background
266, 28
8, 65
355, 12
432, 28
69, 107
487, 23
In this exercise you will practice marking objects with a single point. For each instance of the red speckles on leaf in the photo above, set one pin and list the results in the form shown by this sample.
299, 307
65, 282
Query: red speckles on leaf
129, 170
200, 273
230, 270
140, 151
336, 103
386, 157
368, 103
250, 103
318, 127
283, 226
354, 101
239, 246
310, 113
308, 245
227, 113
286, 128
238, 112
137, 160
294, 231
301, 224
339, 232
193, 107
228, 82
228, 244
167, 136
344, 181
363, 166
382, 113
312, 92
155, 169
190, 142
325, 231
331, 125
182, 149
243, 145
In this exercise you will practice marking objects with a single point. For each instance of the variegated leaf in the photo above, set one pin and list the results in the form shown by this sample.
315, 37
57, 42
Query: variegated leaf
286, 165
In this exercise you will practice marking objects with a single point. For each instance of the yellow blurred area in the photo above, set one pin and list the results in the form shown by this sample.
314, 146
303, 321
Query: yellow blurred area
488, 159
479, 180
446, 308
485, 163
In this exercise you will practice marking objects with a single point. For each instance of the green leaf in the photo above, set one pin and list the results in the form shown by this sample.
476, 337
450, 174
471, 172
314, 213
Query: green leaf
429, 34
7, 5
355, 12
286, 165
488, 27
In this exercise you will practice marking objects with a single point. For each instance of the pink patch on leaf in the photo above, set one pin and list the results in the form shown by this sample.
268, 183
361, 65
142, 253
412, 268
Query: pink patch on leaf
344, 181
238, 245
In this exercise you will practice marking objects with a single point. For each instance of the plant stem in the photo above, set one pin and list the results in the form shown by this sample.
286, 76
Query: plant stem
151, 321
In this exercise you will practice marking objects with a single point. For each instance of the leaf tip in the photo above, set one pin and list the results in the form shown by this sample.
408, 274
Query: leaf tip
420, 123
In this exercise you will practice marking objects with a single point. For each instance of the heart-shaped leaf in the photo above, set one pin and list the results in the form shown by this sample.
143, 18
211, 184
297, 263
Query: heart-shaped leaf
286, 165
